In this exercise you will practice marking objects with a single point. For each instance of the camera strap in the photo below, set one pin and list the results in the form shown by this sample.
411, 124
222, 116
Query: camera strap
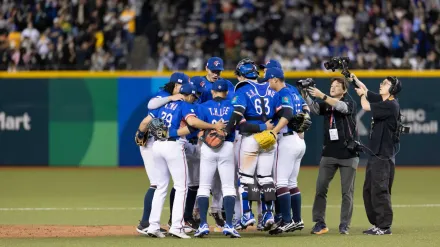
332, 119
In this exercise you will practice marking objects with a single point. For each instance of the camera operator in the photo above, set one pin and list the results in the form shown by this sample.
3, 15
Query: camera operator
339, 130
384, 135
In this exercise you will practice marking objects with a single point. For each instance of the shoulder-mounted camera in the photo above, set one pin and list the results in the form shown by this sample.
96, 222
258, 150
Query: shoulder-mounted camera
339, 63
306, 83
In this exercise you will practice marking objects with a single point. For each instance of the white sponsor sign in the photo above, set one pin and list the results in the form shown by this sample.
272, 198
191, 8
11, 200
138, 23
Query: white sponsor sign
15, 123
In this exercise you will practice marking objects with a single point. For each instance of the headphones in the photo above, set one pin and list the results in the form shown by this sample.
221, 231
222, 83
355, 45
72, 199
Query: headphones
396, 85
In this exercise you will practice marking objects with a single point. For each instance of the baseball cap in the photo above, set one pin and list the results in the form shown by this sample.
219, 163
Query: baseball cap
271, 64
220, 85
215, 63
179, 77
199, 83
273, 73
188, 89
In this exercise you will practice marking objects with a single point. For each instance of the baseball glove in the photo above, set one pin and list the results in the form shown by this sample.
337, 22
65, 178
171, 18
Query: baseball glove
213, 138
158, 129
141, 138
265, 139
300, 122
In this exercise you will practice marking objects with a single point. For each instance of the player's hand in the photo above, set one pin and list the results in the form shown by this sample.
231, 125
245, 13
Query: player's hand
269, 125
220, 125
360, 91
313, 91
176, 97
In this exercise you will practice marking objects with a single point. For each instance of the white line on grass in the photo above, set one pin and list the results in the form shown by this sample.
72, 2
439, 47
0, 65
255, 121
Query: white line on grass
138, 208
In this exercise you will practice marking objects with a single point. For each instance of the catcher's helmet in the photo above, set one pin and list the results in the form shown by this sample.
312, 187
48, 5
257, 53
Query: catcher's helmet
247, 69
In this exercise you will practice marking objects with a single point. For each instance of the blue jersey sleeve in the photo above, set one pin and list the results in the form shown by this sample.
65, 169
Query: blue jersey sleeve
188, 110
239, 99
231, 90
162, 94
154, 113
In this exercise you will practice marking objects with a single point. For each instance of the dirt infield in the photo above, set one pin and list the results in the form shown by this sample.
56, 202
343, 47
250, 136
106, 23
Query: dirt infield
63, 231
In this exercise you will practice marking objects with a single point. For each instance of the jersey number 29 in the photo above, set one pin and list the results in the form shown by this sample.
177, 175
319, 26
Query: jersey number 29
258, 108
167, 118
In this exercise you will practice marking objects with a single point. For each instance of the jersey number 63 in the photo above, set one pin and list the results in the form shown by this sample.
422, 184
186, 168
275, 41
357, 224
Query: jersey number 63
258, 108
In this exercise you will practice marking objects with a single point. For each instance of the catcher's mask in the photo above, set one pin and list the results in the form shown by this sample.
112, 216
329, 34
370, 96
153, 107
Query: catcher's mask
247, 69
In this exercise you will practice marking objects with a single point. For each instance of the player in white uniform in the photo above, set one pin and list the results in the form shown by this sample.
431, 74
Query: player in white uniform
169, 159
254, 102
220, 159
291, 149
170, 92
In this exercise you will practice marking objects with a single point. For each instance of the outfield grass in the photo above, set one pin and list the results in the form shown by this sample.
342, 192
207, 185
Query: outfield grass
96, 196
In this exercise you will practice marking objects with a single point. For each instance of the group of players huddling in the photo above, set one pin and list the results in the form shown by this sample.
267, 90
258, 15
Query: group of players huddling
262, 122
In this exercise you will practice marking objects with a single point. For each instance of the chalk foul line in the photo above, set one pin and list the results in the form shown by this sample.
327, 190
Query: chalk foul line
139, 208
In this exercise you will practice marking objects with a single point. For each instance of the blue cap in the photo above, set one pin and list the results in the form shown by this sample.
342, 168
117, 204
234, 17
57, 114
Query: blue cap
221, 85
271, 64
215, 63
199, 83
273, 73
179, 77
188, 89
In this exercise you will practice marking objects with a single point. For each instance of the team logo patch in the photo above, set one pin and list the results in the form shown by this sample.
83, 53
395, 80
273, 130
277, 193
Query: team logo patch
202, 84
216, 63
286, 100
234, 100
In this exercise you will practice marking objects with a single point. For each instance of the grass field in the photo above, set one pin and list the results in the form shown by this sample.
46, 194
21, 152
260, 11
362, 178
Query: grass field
114, 197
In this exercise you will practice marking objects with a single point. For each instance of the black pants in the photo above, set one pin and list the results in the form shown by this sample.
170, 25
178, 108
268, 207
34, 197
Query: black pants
379, 179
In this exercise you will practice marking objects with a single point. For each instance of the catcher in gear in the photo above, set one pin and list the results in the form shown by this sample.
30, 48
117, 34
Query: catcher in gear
217, 153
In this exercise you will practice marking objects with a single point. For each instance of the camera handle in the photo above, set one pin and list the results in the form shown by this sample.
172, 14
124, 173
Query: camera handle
346, 73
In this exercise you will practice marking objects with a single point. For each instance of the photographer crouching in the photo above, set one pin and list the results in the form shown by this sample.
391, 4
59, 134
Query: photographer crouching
385, 131
340, 150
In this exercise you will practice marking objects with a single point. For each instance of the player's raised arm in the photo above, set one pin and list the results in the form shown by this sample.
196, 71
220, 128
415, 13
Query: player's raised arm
170, 91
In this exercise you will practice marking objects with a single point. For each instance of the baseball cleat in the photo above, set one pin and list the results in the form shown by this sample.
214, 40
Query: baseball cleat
178, 233
268, 221
202, 231
230, 231
282, 227
155, 234
238, 225
142, 230
190, 225
319, 228
297, 226
218, 220
247, 220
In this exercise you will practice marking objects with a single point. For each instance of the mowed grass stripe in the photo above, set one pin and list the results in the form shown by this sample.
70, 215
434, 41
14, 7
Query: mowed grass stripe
138, 208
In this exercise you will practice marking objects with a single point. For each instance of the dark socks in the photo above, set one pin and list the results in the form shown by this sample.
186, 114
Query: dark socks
295, 197
203, 203
284, 201
148, 199
190, 201
229, 203
172, 193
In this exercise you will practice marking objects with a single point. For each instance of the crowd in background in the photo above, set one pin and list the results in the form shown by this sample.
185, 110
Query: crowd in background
301, 34
65, 34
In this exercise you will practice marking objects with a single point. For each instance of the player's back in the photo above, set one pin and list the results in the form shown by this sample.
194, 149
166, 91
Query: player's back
207, 85
257, 99
215, 110
173, 113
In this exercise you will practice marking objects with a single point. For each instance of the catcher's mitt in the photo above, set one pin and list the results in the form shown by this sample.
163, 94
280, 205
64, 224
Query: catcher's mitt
158, 129
266, 139
300, 122
213, 138
141, 138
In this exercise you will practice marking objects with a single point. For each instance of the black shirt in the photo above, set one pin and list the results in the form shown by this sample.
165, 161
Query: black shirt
345, 123
385, 114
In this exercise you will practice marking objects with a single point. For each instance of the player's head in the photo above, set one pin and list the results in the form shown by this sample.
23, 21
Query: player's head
214, 68
199, 83
272, 63
189, 91
177, 79
390, 86
338, 87
275, 77
219, 89
246, 69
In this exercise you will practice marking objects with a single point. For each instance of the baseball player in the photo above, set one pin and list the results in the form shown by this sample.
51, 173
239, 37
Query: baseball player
290, 150
214, 68
254, 102
296, 194
169, 158
221, 159
170, 92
